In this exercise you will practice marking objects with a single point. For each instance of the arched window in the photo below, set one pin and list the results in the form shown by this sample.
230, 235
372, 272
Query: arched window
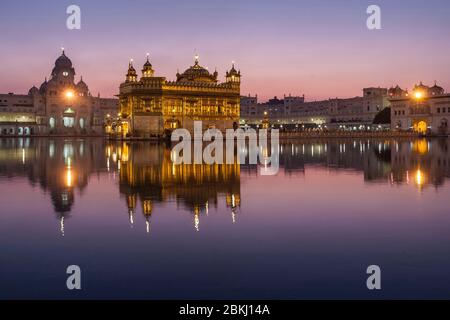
82, 122
444, 123
52, 123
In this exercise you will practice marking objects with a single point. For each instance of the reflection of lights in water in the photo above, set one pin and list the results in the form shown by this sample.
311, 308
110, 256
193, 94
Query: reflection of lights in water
419, 178
233, 201
233, 216
421, 146
147, 226
69, 177
62, 226
118, 165
109, 152
65, 198
407, 177
51, 150
174, 156
107, 163
207, 207
131, 216
67, 150
196, 222
23, 156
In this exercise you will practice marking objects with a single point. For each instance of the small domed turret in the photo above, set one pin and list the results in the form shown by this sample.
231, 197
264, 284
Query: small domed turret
82, 87
233, 75
131, 74
396, 92
43, 86
147, 70
436, 90
33, 91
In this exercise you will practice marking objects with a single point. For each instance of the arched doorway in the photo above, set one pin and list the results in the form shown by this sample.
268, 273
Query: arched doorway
52, 123
81, 123
421, 127
27, 131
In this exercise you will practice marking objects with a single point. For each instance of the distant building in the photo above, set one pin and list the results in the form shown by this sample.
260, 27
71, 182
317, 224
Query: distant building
425, 110
58, 106
294, 110
154, 106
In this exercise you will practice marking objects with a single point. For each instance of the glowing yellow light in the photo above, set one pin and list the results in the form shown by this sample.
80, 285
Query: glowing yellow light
69, 94
69, 178
418, 95
419, 178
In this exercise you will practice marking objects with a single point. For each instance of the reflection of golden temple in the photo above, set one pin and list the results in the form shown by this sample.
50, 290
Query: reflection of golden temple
150, 175
419, 178
147, 208
233, 201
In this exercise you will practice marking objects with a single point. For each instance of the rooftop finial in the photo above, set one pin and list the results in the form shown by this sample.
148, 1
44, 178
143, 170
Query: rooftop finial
148, 56
62, 50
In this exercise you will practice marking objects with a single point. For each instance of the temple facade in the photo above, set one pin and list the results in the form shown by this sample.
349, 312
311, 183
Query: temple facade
151, 106
59, 106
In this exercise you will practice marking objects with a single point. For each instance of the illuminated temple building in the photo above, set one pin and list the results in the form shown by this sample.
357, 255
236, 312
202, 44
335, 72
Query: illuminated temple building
154, 106
59, 106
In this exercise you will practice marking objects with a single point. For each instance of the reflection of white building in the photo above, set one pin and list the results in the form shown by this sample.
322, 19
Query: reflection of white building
58, 106
426, 109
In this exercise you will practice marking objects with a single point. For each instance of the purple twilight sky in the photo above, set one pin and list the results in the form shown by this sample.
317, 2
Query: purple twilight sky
318, 48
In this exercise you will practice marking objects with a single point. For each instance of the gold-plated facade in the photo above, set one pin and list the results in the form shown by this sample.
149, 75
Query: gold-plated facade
153, 106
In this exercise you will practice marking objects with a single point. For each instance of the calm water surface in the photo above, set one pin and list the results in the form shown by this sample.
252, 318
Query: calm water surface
140, 227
